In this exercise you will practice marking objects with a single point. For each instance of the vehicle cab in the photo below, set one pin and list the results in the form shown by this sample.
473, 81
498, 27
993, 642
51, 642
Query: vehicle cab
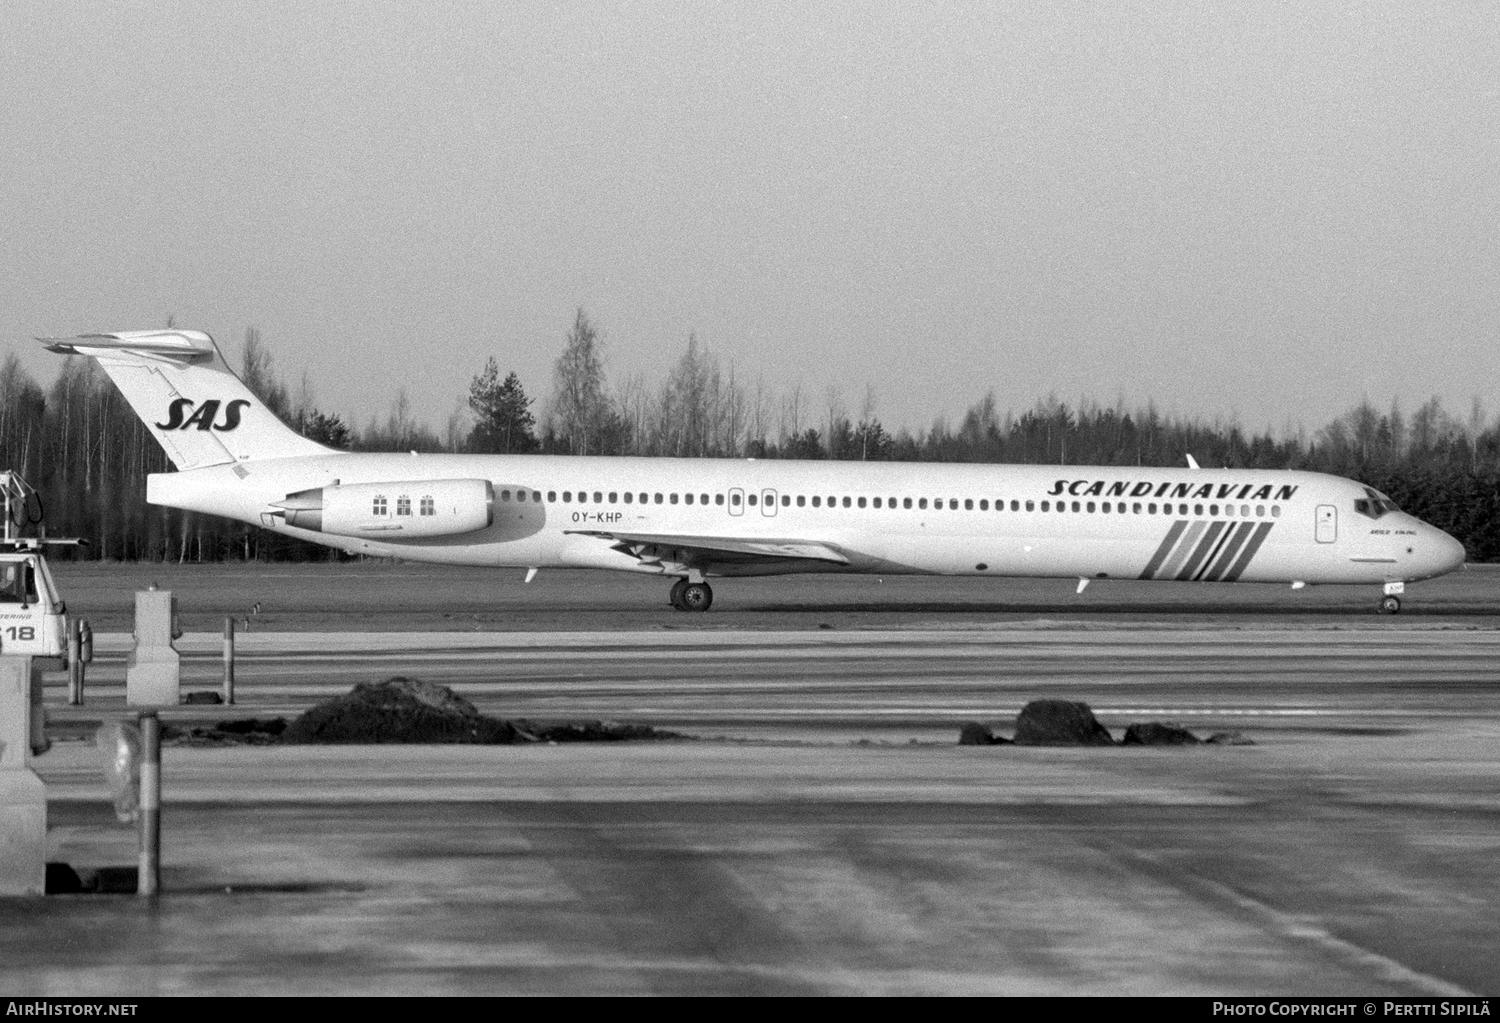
33, 618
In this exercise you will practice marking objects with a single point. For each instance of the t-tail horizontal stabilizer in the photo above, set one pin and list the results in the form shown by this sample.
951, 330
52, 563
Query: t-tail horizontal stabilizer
179, 384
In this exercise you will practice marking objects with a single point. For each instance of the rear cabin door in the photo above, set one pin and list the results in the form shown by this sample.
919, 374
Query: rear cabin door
1328, 523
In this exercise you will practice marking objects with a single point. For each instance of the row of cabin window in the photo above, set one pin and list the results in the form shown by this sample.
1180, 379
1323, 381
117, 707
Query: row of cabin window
403, 505
921, 503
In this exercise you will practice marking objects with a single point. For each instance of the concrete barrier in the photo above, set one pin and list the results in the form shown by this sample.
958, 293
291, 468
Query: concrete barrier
23, 798
153, 672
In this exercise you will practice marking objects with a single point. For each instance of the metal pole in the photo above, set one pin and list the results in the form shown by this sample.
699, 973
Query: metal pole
75, 662
85, 655
148, 881
228, 660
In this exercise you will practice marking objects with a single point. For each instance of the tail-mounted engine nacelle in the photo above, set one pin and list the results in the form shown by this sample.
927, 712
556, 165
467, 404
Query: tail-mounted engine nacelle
391, 511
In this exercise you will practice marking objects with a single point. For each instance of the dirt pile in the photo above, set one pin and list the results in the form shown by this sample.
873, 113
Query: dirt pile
242, 732
1068, 723
590, 731
1060, 723
407, 710
976, 734
398, 710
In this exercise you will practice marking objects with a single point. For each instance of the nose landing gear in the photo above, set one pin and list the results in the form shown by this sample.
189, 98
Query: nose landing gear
691, 596
1391, 602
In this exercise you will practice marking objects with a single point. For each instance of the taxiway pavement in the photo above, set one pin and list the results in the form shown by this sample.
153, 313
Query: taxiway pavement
825, 834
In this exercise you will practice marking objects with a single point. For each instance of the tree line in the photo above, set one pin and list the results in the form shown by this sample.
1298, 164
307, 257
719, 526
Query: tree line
88, 455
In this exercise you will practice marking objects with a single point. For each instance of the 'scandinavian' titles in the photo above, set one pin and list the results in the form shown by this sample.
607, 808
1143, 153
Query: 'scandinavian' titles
1171, 489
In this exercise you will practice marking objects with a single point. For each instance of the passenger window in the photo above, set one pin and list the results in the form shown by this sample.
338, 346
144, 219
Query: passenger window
629, 497
598, 497
1090, 507
702, 498
1197, 509
718, 499
687, 498
504, 496
552, 495
1260, 511
891, 503
906, 502
428, 507
1075, 505
1029, 506
1229, 510
786, 501
968, 504
1275, 511
1016, 505
922, 502
614, 497
1104, 508
734, 499
403, 504
536, 495
643, 498
876, 502
861, 502
1213, 509
1046, 506
378, 505
953, 504
846, 502
658, 498
672, 499
817, 502
1182, 509
984, 504
751, 498
567, 497
801, 501
1151, 509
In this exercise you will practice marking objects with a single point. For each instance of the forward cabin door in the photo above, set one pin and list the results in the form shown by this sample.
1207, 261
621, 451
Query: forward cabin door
768, 502
1328, 523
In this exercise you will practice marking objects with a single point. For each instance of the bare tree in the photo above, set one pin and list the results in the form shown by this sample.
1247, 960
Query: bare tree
259, 375
580, 406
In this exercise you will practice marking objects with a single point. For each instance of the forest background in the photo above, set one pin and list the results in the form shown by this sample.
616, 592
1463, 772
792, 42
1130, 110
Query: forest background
88, 455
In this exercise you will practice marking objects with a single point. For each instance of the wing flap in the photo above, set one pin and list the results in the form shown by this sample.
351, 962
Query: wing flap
716, 549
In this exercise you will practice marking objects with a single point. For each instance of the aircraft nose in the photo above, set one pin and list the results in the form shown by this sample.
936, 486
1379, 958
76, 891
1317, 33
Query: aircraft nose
1450, 553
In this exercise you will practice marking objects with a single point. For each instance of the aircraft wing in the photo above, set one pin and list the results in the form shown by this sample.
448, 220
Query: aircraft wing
701, 551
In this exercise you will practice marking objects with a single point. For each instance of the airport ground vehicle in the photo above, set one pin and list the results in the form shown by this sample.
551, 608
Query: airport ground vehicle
692, 519
33, 617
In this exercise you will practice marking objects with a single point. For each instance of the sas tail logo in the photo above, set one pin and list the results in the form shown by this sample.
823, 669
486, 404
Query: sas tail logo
203, 417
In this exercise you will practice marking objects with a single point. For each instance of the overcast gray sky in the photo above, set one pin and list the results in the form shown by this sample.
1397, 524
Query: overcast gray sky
1258, 210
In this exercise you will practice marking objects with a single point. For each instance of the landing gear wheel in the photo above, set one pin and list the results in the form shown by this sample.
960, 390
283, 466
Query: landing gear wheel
675, 596
697, 597
1390, 605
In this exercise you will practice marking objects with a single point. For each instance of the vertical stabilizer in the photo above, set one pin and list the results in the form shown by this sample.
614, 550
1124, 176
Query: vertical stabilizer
197, 409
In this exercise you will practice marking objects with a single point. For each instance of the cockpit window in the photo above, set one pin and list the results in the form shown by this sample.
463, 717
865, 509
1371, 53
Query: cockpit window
1374, 504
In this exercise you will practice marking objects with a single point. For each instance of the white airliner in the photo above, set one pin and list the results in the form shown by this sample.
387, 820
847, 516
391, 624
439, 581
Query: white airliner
695, 519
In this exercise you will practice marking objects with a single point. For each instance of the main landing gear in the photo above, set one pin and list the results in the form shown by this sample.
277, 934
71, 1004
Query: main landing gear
691, 596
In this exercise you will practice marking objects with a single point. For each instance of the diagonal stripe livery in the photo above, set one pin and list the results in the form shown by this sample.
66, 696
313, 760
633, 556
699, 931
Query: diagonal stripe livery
1206, 551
